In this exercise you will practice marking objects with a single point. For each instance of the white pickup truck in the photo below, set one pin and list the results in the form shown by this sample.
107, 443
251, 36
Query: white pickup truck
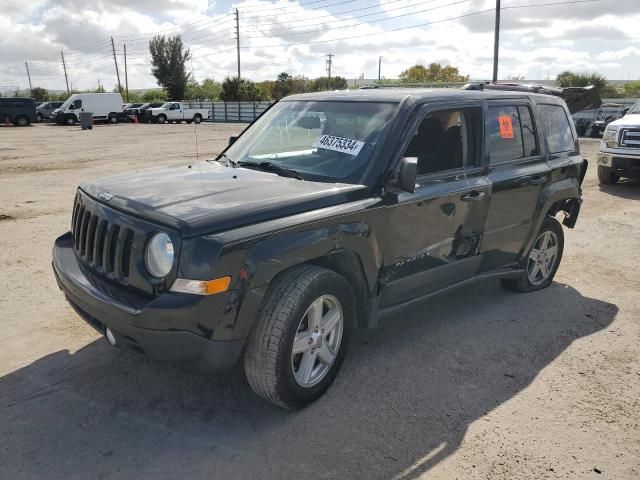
177, 112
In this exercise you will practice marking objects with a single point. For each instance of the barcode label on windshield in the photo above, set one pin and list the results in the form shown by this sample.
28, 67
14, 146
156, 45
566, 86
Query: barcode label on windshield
339, 144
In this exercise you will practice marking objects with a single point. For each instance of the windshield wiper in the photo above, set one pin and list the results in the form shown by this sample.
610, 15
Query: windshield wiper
271, 167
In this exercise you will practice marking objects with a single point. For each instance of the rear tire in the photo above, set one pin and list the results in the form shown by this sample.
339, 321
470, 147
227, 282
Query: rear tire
541, 262
113, 119
40, 118
197, 118
22, 121
606, 176
308, 308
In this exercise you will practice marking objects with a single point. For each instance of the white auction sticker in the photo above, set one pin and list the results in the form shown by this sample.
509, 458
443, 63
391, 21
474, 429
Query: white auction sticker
339, 144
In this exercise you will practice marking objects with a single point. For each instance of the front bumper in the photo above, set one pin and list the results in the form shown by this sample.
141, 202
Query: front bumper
620, 159
129, 315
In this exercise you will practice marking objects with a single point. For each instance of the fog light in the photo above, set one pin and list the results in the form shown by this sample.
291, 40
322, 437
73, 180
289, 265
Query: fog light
110, 337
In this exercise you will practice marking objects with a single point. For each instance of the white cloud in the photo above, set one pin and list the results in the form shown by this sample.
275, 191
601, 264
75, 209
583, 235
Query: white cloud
284, 35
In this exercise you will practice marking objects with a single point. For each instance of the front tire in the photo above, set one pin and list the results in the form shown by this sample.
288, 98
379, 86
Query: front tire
542, 261
113, 119
300, 338
40, 118
606, 176
161, 119
70, 120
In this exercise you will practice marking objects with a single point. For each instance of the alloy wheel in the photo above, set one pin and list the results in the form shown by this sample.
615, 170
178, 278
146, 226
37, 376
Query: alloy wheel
317, 341
542, 258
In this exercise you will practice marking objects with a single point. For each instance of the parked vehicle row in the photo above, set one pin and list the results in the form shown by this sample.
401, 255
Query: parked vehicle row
329, 212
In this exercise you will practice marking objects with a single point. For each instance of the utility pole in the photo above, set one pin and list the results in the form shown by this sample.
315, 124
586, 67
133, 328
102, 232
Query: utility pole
238, 40
496, 43
126, 78
28, 76
379, 68
64, 66
113, 49
329, 62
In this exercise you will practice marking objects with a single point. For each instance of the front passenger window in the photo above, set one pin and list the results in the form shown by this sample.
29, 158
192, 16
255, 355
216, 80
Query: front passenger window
444, 140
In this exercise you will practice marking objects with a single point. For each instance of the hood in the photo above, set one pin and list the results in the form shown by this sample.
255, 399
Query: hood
632, 120
157, 109
209, 197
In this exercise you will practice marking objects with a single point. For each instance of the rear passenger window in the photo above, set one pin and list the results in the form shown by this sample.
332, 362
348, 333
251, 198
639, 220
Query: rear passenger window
511, 133
558, 130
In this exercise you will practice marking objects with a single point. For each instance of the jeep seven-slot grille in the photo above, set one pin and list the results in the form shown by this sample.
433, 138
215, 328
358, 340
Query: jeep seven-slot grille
103, 245
630, 138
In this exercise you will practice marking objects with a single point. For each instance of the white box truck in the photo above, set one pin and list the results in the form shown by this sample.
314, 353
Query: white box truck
106, 107
177, 112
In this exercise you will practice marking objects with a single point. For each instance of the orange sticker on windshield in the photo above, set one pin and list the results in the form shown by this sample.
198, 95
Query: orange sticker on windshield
506, 127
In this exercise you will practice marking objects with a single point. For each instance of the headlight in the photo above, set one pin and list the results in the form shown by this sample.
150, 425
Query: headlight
610, 137
159, 256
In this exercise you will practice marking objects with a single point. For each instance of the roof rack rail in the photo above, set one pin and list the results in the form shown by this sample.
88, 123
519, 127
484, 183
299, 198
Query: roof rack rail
577, 98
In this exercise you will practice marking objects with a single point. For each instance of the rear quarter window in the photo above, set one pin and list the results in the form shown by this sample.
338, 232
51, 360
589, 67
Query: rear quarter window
557, 129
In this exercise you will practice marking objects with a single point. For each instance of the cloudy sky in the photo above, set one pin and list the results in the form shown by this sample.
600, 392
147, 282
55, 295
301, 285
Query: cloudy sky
538, 40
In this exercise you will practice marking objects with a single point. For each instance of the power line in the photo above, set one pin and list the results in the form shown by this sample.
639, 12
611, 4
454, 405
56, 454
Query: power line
375, 21
471, 14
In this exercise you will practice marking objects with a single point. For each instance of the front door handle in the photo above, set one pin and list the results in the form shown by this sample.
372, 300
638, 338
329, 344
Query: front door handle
473, 196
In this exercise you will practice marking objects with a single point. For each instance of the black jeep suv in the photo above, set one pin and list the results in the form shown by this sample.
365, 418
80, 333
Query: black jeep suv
330, 211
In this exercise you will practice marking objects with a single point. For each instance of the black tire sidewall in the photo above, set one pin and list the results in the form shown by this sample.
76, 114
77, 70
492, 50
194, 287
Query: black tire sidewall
197, 119
289, 391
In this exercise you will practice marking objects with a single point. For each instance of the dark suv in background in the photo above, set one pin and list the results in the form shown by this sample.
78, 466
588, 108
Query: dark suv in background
19, 111
331, 211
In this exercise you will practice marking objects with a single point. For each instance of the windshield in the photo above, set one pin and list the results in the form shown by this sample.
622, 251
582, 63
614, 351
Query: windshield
68, 102
330, 141
166, 105
635, 109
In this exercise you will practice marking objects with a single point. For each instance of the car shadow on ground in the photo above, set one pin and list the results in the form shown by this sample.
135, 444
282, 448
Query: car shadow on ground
625, 188
403, 402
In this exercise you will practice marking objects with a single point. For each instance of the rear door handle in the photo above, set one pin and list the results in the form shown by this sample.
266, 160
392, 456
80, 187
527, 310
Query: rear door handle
473, 196
537, 180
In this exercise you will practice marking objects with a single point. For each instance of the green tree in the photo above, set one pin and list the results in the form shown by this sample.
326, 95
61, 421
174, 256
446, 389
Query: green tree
208, 90
239, 90
154, 96
632, 89
324, 83
288, 85
39, 94
434, 73
168, 58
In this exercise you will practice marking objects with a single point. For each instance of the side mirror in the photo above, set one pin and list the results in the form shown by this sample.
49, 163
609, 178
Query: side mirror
232, 139
405, 174
625, 110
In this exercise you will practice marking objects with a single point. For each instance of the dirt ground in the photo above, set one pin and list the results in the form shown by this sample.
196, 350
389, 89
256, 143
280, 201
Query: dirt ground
480, 384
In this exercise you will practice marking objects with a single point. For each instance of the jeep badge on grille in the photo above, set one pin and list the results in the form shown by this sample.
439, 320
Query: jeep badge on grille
106, 196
